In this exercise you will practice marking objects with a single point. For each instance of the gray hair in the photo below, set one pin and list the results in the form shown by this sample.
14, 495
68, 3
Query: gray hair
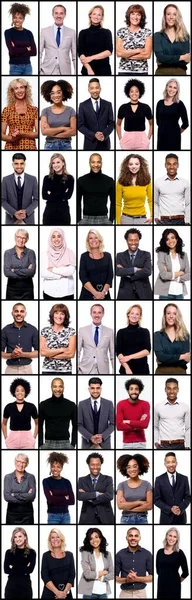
176, 97
23, 231
24, 456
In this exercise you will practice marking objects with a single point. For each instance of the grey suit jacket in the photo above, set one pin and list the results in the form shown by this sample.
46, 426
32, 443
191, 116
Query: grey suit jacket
89, 574
86, 425
9, 198
165, 276
48, 64
93, 354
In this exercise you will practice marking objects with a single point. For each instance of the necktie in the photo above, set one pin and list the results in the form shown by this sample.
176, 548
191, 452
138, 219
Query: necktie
94, 483
172, 480
19, 182
95, 406
58, 36
96, 107
132, 258
96, 336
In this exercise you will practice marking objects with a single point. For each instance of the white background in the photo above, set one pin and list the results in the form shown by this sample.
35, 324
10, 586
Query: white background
70, 158
159, 164
107, 93
32, 533
31, 168
183, 394
108, 23
121, 9
107, 532
7, 398
70, 236
159, 87
107, 392
145, 542
70, 539
108, 239
68, 472
183, 467
158, 15
69, 391
184, 233
45, 308
159, 535
33, 82
107, 162
84, 317
147, 155
31, 317
8, 242
46, 17
146, 322
146, 394
158, 314
146, 477
107, 468
144, 244
121, 98
8, 466
71, 102
30, 22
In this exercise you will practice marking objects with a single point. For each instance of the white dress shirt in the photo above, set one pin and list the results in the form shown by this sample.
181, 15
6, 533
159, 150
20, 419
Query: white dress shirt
21, 175
172, 422
98, 400
171, 197
170, 477
94, 103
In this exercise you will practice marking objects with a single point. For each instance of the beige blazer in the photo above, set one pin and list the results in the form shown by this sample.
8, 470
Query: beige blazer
65, 53
89, 354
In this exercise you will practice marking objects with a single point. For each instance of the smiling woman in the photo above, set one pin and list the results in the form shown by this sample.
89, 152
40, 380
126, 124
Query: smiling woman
19, 563
58, 570
20, 41
58, 122
20, 267
95, 45
58, 342
97, 566
20, 414
19, 117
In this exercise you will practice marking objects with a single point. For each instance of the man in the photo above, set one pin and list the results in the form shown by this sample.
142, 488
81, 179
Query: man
96, 120
172, 494
171, 195
96, 418
57, 413
19, 194
134, 268
97, 190
20, 493
172, 420
132, 564
96, 492
133, 416
59, 44
96, 342
18, 338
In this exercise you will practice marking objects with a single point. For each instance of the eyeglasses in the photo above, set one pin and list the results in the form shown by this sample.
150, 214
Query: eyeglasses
20, 462
20, 237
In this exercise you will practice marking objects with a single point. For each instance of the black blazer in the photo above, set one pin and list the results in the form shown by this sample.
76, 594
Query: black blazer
89, 123
166, 496
138, 280
100, 505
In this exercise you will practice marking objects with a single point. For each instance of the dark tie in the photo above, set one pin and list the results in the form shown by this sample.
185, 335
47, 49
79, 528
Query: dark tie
172, 480
94, 483
96, 107
95, 406
19, 182
96, 336
58, 36
132, 258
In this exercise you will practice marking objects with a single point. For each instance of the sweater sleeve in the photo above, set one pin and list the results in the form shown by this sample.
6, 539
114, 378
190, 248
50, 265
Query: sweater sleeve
8, 562
183, 115
109, 274
149, 197
120, 418
80, 43
119, 343
163, 355
142, 423
119, 198
183, 564
158, 113
83, 274
161, 56
45, 573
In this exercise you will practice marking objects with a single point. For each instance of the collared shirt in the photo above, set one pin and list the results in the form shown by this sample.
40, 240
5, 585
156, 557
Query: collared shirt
19, 264
172, 422
61, 27
139, 561
94, 103
95, 482
171, 197
22, 177
170, 475
132, 256
98, 400
19, 489
25, 336
99, 331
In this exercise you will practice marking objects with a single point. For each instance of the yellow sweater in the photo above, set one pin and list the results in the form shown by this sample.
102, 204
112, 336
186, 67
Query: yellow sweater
134, 197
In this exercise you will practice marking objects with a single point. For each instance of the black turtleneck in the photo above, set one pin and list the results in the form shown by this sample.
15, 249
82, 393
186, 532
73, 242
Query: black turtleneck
57, 414
95, 189
130, 340
94, 40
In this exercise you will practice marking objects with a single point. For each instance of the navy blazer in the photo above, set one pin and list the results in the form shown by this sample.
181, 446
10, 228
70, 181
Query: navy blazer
130, 280
96, 505
89, 122
166, 496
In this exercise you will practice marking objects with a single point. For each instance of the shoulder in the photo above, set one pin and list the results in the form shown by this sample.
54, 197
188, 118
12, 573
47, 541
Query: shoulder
45, 30
45, 331
158, 334
69, 178
69, 554
45, 111
158, 35
146, 552
147, 32
107, 330
46, 555
70, 331
106, 401
84, 31
69, 31
122, 32
106, 177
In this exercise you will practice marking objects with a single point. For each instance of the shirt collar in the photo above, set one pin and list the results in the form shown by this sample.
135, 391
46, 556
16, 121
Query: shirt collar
132, 253
24, 476
23, 252
139, 549
22, 175
171, 403
169, 178
94, 477
24, 325
56, 27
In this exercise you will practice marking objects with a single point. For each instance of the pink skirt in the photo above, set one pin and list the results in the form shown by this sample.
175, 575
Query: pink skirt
134, 140
21, 440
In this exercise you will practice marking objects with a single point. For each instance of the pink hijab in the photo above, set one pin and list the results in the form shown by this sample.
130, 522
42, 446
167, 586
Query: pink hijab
60, 257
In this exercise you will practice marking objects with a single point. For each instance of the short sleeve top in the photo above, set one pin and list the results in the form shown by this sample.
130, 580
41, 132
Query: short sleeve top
133, 494
25, 123
58, 120
58, 339
130, 41
134, 121
20, 421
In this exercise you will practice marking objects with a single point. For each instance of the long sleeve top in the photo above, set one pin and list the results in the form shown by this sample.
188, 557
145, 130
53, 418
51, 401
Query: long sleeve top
130, 340
55, 190
57, 413
167, 53
133, 198
56, 491
16, 564
97, 271
126, 411
92, 41
168, 352
20, 265
95, 189
59, 282
19, 489
172, 422
172, 197
57, 570
22, 40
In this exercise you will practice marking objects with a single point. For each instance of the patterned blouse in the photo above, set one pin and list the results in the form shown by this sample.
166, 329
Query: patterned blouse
25, 123
133, 40
58, 339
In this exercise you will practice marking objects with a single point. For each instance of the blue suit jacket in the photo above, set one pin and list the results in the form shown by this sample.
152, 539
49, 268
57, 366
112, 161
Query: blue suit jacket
89, 122
166, 496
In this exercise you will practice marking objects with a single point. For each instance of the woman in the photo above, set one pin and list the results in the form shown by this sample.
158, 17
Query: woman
19, 41
173, 267
96, 269
169, 560
57, 189
20, 117
168, 114
133, 344
134, 188
18, 564
97, 566
95, 45
20, 414
171, 44
58, 570
57, 268
58, 121
58, 491
171, 343
134, 42
134, 113
134, 496
20, 267
20, 492
58, 342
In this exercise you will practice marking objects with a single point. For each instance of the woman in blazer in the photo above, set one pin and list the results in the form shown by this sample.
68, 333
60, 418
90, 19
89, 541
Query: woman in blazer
97, 566
173, 265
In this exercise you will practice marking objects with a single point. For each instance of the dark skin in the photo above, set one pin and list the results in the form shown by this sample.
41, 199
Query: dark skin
133, 538
171, 390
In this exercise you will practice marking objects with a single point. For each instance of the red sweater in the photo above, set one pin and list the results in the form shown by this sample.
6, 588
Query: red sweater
133, 432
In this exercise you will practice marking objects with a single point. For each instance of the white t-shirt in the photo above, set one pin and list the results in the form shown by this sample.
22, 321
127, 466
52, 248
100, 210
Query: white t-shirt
176, 287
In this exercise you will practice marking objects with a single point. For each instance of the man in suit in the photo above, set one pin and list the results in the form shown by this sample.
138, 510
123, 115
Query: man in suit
59, 43
96, 120
19, 194
96, 342
96, 418
134, 268
96, 492
172, 494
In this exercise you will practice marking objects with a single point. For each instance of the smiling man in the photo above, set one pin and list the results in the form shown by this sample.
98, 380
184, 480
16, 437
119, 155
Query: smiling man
96, 492
134, 268
172, 494
96, 121
132, 564
171, 195
133, 416
96, 190
95, 345
57, 414
172, 420
19, 193
19, 343
96, 418
57, 45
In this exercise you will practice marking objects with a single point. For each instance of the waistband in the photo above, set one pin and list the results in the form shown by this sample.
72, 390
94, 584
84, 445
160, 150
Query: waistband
134, 216
172, 441
172, 217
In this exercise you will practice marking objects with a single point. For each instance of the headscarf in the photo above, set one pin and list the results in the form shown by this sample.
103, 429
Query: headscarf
60, 257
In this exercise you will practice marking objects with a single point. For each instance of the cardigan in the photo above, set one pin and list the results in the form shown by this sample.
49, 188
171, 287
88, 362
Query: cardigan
164, 278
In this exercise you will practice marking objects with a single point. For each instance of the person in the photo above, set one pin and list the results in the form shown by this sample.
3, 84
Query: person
96, 189
95, 418
132, 575
20, 117
171, 343
95, 269
95, 45
20, 414
58, 577
134, 42
19, 41
58, 121
133, 416
96, 492
57, 268
18, 564
19, 492
169, 560
134, 114
20, 268
19, 196
169, 112
17, 340
57, 39
171, 493
171, 420
171, 195
58, 491
133, 188
96, 343
133, 266
134, 496
58, 414
58, 342
171, 43
173, 265
95, 120
96, 564
134, 339
57, 189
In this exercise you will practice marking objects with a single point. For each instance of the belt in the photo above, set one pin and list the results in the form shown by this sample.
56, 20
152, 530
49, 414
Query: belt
134, 216
172, 441
173, 217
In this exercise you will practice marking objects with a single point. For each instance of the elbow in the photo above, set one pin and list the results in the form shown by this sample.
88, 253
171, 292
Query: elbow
118, 54
148, 54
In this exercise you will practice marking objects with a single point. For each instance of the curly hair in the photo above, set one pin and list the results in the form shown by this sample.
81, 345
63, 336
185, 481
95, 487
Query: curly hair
163, 245
64, 168
57, 457
136, 8
26, 543
92, 9
181, 32
10, 91
94, 455
99, 237
142, 461
134, 82
47, 86
86, 542
63, 308
134, 381
132, 230
61, 536
142, 177
181, 332
22, 9
25, 384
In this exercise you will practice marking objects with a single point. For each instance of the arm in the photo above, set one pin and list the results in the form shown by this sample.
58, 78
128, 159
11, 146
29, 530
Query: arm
84, 432
186, 496
187, 428
150, 132
160, 53
119, 198
125, 505
81, 124
41, 422
8, 562
187, 275
183, 116
4, 427
4, 125
26, 496
156, 427
8, 266
30, 135
68, 352
120, 424
34, 198
164, 273
145, 271
47, 130
26, 272
107, 495
73, 51
45, 575
99, 56
112, 202
5, 199
111, 424
118, 128
45, 273
84, 495
110, 123
70, 130
135, 53
8, 497
88, 573
184, 566
161, 354
143, 422
74, 427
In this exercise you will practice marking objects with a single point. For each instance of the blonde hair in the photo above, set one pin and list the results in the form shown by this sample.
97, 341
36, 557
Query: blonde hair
129, 310
181, 332
99, 237
24, 456
64, 167
61, 536
181, 32
176, 545
26, 543
176, 97
92, 9
10, 91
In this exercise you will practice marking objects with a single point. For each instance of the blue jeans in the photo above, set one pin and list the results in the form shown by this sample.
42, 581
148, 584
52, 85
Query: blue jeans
172, 297
20, 69
95, 596
134, 520
59, 519
58, 145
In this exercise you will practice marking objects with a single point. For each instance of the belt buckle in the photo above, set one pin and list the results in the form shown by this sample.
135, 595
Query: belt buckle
170, 442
